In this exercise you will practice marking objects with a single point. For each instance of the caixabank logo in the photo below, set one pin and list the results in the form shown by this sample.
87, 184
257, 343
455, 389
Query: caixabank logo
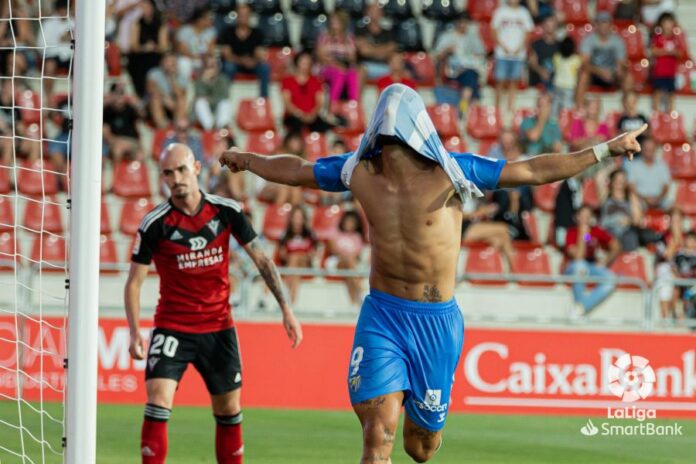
631, 379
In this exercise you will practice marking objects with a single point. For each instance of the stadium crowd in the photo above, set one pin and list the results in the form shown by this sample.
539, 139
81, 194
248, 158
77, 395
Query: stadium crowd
172, 65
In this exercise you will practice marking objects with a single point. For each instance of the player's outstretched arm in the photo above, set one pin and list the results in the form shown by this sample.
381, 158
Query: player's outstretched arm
282, 169
136, 276
270, 275
544, 169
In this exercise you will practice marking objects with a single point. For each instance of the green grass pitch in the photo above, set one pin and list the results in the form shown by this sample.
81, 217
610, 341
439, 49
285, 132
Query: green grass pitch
308, 437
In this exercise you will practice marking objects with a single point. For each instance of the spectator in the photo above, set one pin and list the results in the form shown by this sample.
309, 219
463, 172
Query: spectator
375, 45
58, 145
297, 248
243, 52
303, 96
667, 52
195, 41
631, 119
651, 10
184, 134
56, 36
148, 41
121, 118
398, 74
649, 177
539, 9
508, 146
15, 38
604, 59
336, 51
166, 92
582, 243
568, 200
541, 133
344, 252
541, 62
212, 105
477, 228
465, 56
669, 244
278, 194
224, 182
511, 25
685, 264
566, 64
589, 130
128, 13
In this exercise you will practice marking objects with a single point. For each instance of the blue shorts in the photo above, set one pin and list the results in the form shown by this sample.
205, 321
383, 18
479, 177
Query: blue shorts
508, 70
404, 345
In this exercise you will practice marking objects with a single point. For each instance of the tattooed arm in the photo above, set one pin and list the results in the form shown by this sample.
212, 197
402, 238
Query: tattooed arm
270, 275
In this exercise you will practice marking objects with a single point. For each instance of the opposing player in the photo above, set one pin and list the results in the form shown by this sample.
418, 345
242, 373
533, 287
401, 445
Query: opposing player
410, 331
188, 238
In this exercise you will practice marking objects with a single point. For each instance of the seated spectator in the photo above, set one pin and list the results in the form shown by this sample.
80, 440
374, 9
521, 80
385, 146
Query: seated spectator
667, 52
622, 215
604, 59
566, 64
336, 52
582, 243
631, 119
303, 96
511, 26
398, 74
121, 118
148, 41
541, 133
194, 41
344, 252
568, 200
375, 44
477, 228
508, 146
649, 177
211, 102
541, 64
242, 50
58, 145
278, 194
184, 134
669, 244
166, 92
589, 130
297, 248
465, 57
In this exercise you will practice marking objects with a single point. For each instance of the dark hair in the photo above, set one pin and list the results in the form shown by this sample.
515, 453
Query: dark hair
612, 177
665, 16
567, 47
586, 206
306, 231
358, 221
199, 13
300, 54
691, 233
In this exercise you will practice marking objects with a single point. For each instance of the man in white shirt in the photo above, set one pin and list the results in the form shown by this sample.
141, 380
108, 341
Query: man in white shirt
56, 38
649, 177
511, 25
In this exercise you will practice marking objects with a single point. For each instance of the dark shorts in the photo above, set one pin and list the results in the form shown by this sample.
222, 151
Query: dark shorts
610, 84
470, 78
215, 356
664, 84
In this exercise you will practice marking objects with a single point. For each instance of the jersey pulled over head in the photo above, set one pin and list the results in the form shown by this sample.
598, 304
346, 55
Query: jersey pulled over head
179, 170
400, 114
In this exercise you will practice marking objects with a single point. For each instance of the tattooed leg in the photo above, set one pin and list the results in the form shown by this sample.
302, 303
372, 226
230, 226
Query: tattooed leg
420, 443
379, 418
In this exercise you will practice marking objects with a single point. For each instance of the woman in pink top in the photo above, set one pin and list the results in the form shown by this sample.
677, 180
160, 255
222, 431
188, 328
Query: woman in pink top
344, 251
589, 130
337, 54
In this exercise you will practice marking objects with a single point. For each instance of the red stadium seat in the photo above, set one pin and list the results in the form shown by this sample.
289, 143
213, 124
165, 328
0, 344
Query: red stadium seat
280, 60
482, 10
29, 104
255, 114
485, 146
113, 59
352, 141
590, 196
423, 66
6, 214
612, 121
316, 146
484, 122
455, 144
275, 221
208, 140
108, 257
43, 216
484, 260
325, 221
132, 213
686, 196
265, 142
578, 33
9, 255
131, 180
105, 218
668, 128
630, 265
684, 78
633, 39
573, 11
545, 196
354, 114
607, 5
682, 42
158, 138
5, 179
681, 160
486, 36
445, 119
520, 115
532, 261
640, 72
656, 220
50, 251
37, 178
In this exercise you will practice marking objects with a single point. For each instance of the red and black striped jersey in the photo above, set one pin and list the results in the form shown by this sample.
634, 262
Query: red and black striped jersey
191, 254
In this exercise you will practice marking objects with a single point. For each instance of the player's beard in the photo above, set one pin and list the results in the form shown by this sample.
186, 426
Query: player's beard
180, 191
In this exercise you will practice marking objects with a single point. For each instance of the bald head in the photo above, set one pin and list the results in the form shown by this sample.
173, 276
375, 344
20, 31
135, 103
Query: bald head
176, 154
179, 170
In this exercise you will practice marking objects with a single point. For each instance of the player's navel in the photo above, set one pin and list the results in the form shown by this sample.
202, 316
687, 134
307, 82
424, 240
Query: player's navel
428, 222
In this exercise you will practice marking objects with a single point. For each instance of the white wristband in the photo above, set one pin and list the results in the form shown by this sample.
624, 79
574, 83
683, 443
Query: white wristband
601, 152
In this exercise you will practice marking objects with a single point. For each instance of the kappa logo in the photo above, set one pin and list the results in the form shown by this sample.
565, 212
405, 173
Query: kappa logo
176, 235
197, 243
213, 225
152, 362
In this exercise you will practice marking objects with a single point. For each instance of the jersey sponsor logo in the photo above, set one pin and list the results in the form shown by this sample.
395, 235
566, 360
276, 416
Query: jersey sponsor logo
136, 245
203, 258
197, 243
176, 235
432, 402
213, 225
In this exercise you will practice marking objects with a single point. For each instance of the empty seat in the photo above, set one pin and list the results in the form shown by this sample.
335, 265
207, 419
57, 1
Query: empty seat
439, 9
255, 114
275, 30
545, 196
43, 216
640, 72
656, 220
534, 261
445, 119
37, 178
352, 111
9, 255
158, 138
633, 39
105, 218
683, 80
590, 196
686, 196
108, 256
131, 180
484, 260
280, 60
308, 7
484, 122
265, 142
423, 67
612, 121
316, 146
4, 179
325, 221
265, 7
681, 160
112, 55
454, 144
397, 9
408, 35
630, 265
132, 213
50, 251
668, 128
275, 221
607, 5
482, 10
311, 28
6, 214
573, 11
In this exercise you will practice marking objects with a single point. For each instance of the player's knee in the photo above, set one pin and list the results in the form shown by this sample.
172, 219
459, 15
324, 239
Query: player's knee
419, 451
377, 434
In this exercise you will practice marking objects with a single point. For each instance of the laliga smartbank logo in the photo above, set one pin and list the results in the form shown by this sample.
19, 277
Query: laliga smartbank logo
631, 379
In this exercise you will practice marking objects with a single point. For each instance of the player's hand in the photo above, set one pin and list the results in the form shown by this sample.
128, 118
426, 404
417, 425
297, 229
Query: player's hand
137, 346
292, 328
235, 159
626, 143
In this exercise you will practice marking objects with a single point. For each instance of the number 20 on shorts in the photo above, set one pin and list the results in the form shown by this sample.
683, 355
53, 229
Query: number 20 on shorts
167, 345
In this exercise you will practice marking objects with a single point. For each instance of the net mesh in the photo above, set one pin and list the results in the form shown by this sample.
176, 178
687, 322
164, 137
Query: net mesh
35, 128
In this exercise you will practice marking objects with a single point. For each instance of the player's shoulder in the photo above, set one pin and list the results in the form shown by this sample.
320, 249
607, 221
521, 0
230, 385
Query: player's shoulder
224, 203
157, 213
